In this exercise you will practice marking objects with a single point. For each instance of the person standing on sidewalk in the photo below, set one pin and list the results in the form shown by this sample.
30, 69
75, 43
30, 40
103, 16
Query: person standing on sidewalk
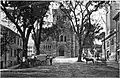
51, 58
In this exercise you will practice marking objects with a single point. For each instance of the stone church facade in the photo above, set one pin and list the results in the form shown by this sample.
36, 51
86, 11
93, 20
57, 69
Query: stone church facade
65, 43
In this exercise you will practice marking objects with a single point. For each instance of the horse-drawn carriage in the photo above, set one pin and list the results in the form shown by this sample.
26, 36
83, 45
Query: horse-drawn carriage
41, 59
38, 60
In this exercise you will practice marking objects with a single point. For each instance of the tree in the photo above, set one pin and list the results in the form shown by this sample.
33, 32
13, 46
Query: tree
92, 35
45, 32
23, 15
36, 36
52, 31
80, 17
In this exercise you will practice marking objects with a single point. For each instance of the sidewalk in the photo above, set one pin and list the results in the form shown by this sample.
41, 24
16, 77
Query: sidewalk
12, 67
64, 60
113, 64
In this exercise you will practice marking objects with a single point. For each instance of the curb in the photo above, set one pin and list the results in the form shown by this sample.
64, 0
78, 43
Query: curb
13, 67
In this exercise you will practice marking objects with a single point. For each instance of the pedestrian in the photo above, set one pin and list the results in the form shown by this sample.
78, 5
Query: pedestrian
51, 58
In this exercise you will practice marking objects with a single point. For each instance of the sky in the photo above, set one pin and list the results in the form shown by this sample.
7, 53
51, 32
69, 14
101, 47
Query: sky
96, 15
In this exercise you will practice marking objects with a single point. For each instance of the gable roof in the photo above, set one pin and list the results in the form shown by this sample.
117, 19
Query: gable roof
9, 29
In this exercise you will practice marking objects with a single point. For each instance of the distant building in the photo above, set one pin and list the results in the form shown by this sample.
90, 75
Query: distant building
11, 44
31, 50
65, 43
31, 47
111, 40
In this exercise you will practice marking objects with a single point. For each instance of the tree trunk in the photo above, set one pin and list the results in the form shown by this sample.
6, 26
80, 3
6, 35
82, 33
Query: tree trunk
80, 51
25, 47
80, 55
37, 43
37, 35
38, 49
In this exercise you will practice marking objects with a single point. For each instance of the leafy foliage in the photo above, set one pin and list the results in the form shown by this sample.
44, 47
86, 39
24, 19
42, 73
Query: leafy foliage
51, 31
23, 14
38, 27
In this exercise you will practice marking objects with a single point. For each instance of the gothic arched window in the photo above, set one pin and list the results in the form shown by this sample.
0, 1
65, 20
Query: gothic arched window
65, 38
61, 38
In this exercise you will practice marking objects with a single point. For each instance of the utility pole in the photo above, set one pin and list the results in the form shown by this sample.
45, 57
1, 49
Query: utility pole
105, 50
116, 18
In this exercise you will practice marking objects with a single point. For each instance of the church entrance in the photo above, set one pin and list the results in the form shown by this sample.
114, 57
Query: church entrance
61, 51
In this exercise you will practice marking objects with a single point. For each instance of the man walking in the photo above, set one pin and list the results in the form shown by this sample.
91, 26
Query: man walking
51, 58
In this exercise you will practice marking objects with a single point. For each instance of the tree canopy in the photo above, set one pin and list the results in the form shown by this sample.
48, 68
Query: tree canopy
23, 15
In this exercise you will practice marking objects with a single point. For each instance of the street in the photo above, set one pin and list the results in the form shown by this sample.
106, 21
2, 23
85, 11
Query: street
70, 68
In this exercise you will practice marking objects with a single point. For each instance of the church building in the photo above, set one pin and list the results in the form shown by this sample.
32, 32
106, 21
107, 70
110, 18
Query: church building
65, 43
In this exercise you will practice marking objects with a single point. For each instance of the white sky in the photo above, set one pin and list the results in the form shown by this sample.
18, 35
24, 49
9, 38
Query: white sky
97, 15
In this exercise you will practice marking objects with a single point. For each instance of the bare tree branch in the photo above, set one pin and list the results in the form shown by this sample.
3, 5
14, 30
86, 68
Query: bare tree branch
10, 17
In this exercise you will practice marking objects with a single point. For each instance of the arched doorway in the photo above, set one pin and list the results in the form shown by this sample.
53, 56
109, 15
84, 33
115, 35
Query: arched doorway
61, 51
